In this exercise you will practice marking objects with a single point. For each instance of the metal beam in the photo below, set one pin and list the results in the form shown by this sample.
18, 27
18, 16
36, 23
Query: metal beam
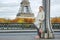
47, 24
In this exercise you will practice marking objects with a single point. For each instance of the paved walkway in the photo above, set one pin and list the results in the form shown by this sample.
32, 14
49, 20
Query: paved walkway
24, 36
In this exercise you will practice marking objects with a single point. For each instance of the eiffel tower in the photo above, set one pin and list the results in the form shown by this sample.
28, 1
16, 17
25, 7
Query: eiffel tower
25, 10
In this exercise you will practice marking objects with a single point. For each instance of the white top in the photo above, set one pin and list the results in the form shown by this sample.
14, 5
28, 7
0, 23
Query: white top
40, 17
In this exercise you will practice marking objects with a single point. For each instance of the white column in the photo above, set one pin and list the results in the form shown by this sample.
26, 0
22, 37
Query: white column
47, 24
46, 5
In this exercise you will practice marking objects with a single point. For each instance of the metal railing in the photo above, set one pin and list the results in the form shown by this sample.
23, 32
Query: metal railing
24, 25
17, 26
56, 25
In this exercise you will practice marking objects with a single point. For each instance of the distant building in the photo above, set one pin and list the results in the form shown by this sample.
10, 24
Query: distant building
25, 10
25, 14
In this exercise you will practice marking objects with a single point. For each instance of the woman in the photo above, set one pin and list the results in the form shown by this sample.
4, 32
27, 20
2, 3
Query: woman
39, 20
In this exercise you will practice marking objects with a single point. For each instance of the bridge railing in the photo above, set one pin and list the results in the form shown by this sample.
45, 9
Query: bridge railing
16, 25
56, 25
24, 25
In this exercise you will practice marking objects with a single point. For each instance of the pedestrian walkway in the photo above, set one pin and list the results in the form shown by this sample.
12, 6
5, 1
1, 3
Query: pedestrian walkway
24, 36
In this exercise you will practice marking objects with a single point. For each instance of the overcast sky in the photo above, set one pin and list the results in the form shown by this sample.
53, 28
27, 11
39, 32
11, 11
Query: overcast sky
9, 8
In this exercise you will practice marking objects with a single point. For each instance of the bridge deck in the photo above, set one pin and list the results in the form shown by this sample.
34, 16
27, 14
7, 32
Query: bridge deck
25, 36
31, 30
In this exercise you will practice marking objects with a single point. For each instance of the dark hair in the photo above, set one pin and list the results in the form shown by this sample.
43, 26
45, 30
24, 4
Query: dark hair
41, 7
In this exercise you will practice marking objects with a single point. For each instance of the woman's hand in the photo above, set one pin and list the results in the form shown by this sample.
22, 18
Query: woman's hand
40, 20
40, 30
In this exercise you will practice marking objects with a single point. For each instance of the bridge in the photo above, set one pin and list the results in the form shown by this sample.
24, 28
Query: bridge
16, 26
56, 25
25, 36
25, 25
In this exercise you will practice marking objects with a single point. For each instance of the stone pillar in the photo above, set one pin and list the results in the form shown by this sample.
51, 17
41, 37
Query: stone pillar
47, 24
